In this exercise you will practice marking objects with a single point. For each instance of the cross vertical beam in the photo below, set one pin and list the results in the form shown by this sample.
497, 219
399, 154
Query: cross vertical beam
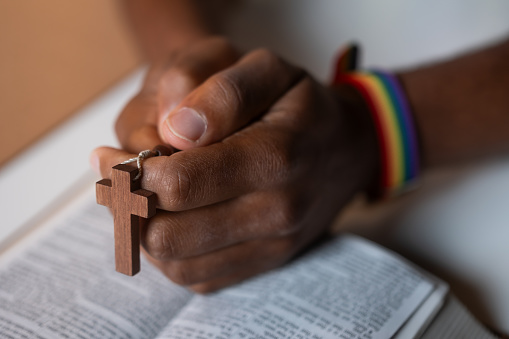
128, 203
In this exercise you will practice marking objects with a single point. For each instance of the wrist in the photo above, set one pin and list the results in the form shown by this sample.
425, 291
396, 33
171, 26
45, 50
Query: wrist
361, 137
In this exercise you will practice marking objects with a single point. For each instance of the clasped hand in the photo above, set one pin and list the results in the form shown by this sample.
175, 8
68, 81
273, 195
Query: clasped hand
268, 158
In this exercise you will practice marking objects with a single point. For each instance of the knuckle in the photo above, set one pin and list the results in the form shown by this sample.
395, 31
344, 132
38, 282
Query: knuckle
228, 90
158, 242
266, 56
273, 63
153, 243
178, 183
180, 273
203, 288
285, 161
286, 248
288, 220
281, 160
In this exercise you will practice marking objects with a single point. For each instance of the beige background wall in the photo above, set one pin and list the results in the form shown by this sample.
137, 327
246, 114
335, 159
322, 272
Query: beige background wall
55, 56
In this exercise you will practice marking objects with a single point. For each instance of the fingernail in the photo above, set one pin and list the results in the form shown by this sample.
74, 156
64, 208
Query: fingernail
94, 163
187, 124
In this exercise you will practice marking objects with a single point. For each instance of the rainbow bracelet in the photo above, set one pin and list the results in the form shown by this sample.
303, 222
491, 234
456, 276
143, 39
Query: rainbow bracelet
399, 154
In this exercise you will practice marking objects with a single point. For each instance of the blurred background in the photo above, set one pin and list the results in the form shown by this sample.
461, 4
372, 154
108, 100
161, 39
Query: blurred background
55, 57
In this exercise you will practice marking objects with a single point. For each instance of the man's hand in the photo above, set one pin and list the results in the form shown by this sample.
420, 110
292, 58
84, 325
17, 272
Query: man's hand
269, 158
166, 84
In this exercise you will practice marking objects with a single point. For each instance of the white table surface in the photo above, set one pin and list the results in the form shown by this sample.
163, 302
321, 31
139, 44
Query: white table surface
458, 225
37, 180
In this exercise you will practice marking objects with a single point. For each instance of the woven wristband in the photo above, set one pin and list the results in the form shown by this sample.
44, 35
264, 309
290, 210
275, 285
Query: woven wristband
395, 129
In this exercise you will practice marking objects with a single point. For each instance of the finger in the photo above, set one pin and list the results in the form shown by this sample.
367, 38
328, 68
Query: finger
102, 159
244, 270
136, 127
165, 85
260, 157
229, 100
257, 256
222, 171
190, 69
240, 275
180, 235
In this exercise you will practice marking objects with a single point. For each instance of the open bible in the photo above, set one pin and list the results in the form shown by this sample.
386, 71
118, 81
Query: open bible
59, 282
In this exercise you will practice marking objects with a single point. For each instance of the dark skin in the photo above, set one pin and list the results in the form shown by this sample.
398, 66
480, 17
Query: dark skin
462, 105
270, 156
252, 194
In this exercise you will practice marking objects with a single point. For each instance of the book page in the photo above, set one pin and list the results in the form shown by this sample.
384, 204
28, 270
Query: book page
455, 321
348, 288
65, 285
425, 314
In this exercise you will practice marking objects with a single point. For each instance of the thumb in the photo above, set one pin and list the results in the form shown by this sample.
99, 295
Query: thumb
229, 100
190, 69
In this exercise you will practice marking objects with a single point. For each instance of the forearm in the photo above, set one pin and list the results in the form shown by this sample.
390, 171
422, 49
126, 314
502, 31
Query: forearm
461, 106
162, 26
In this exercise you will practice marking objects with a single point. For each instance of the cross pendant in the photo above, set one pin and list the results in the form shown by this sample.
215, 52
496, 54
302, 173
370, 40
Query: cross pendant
128, 203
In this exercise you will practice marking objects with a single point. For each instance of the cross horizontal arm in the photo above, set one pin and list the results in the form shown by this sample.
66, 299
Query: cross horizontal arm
143, 203
103, 192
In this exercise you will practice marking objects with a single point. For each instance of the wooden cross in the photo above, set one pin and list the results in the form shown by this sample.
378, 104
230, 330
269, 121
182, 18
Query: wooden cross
129, 202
